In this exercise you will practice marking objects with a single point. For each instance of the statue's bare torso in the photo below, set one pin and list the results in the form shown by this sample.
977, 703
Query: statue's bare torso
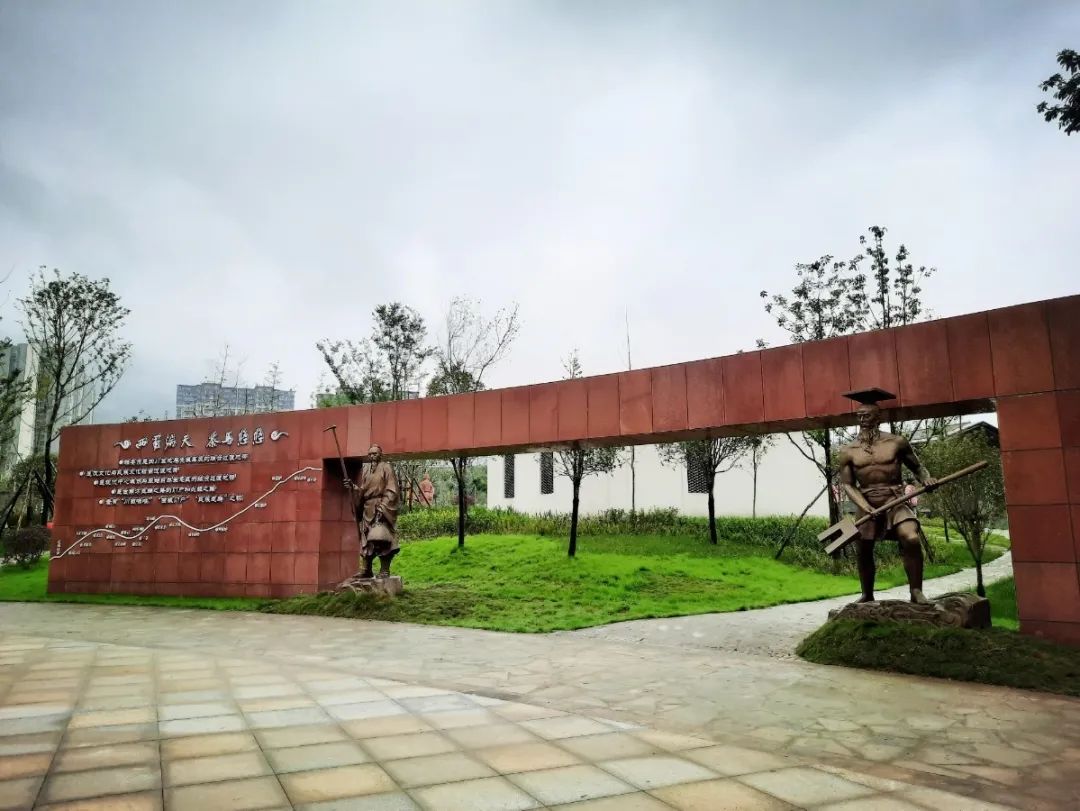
879, 463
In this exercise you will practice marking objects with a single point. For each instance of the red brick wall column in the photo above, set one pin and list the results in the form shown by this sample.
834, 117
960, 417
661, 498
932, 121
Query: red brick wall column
1043, 507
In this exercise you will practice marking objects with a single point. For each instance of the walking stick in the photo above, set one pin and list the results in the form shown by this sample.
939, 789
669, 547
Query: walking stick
353, 492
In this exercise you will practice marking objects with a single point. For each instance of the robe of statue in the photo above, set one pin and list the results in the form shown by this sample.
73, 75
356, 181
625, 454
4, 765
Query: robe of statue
379, 493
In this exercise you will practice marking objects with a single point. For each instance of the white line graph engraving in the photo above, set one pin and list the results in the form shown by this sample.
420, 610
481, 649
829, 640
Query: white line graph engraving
131, 535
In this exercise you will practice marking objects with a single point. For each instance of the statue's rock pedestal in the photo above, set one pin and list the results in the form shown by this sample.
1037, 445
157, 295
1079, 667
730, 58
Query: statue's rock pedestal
959, 610
389, 586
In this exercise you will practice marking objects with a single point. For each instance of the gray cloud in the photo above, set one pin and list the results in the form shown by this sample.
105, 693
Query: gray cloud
265, 173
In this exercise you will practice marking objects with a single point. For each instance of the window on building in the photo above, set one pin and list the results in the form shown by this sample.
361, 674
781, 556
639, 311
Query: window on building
697, 478
547, 473
508, 476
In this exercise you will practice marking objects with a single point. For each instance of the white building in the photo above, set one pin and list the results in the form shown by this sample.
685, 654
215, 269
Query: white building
215, 400
26, 433
787, 481
19, 362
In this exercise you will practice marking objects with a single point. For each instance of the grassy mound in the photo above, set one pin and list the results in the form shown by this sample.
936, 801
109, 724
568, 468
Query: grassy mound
995, 656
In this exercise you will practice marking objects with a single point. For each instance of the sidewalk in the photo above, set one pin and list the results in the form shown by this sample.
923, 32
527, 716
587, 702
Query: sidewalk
886, 731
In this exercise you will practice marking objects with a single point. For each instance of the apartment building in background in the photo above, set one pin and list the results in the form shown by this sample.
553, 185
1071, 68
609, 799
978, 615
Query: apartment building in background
215, 400
24, 436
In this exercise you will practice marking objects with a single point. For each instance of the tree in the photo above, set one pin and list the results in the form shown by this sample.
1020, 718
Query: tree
409, 473
224, 373
73, 323
828, 300
757, 446
273, 382
1066, 91
469, 346
973, 502
712, 457
578, 462
388, 365
31, 498
838, 298
895, 296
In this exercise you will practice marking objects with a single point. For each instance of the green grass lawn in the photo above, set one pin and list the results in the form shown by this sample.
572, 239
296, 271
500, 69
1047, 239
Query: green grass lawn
935, 529
526, 583
1002, 596
28, 585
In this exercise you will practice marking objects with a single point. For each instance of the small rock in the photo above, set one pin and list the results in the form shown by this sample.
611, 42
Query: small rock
390, 586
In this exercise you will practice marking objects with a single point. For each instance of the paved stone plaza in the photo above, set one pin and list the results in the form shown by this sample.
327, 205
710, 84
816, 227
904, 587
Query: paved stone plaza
132, 708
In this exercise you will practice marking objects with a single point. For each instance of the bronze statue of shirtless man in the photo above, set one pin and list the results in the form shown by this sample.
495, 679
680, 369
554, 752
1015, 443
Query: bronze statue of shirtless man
871, 474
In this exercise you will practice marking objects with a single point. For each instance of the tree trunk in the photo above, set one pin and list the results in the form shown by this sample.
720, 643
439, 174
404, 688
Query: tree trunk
50, 426
980, 588
834, 506
712, 512
945, 523
753, 503
572, 550
459, 469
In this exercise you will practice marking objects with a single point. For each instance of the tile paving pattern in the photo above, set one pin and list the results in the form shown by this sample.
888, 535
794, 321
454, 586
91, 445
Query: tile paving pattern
135, 708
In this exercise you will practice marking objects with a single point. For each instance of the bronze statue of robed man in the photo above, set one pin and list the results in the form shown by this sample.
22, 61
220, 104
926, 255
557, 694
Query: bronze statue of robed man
376, 499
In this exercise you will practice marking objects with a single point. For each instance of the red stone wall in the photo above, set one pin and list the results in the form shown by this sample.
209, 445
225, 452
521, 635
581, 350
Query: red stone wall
1027, 358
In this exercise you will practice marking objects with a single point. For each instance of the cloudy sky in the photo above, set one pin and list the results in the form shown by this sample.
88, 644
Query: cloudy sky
263, 173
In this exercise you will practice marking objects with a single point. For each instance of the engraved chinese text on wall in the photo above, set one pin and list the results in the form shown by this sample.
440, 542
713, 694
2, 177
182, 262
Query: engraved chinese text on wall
169, 479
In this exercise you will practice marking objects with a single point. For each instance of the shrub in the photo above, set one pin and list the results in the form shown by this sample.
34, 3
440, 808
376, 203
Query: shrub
27, 545
766, 533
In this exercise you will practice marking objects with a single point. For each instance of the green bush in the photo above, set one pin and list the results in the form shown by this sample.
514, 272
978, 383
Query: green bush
27, 545
765, 532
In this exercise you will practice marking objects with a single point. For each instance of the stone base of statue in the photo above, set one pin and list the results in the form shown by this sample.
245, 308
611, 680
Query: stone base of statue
388, 586
959, 610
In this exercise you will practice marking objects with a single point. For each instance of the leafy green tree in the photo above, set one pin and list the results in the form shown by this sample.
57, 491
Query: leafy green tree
74, 325
834, 298
388, 365
713, 457
469, 346
578, 462
974, 502
828, 300
1066, 91
895, 284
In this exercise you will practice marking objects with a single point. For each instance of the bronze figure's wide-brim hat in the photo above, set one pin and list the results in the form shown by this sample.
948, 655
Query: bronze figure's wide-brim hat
869, 396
